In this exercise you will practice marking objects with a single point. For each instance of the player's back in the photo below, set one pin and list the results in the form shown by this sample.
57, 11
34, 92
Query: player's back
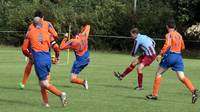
40, 43
176, 42
47, 26
146, 44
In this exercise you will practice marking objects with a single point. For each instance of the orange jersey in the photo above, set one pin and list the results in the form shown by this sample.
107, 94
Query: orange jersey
48, 27
174, 43
38, 40
79, 44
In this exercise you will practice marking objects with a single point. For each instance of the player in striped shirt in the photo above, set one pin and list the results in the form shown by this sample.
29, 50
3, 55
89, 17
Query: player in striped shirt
147, 45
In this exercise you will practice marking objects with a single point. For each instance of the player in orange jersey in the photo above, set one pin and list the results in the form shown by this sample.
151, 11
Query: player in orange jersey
80, 46
172, 58
47, 26
36, 46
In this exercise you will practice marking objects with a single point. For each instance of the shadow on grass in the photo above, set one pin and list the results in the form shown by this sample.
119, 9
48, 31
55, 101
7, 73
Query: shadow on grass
14, 102
134, 97
115, 86
15, 88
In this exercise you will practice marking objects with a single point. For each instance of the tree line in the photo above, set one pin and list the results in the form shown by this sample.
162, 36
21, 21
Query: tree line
107, 17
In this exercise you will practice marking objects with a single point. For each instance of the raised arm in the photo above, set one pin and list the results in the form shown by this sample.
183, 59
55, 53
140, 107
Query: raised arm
85, 30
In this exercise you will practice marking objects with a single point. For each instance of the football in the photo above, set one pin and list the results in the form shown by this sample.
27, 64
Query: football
53, 59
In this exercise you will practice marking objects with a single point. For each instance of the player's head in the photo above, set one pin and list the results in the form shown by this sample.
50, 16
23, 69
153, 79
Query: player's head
134, 32
171, 24
37, 22
75, 32
39, 13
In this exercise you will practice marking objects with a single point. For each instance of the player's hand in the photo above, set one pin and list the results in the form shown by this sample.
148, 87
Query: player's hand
158, 58
57, 60
66, 35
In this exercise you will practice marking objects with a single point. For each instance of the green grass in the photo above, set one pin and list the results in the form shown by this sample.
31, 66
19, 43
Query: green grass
105, 94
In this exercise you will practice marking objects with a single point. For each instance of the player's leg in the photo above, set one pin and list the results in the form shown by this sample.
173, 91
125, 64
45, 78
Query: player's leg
143, 62
156, 84
186, 81
75, 79
140, 76
44, 94
78, 66
27, 72
130, 68
44, 84
42, 70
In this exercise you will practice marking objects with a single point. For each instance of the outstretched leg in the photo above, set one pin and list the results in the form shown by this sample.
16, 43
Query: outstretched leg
186, 81
27, 72
127, 70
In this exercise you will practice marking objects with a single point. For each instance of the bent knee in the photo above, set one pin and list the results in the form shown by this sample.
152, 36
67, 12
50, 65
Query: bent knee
44, 83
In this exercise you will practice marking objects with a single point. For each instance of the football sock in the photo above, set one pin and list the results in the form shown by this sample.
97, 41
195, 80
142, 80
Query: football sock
44, 94
127, 70
54, 90
156, 86
27, 73
140, 79
188, 84
77, 81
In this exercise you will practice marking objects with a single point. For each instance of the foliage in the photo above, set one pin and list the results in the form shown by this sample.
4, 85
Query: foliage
107, 17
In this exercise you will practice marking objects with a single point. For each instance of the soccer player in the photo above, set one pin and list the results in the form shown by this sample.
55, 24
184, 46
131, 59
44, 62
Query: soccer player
37, 46
79, 44
48, 27
172, 58
146, 44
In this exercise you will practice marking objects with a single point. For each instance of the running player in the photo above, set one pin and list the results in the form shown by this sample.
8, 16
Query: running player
172, 58
146, 44
79, 44
36, 46
48, 27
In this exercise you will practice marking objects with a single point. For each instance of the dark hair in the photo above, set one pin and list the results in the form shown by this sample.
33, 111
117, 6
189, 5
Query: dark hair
75, 31
38, 13
171, 23
134, 30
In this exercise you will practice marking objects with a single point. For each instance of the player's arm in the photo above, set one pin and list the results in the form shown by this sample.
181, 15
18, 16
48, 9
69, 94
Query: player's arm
52, 31
135, 47
25, 47
153, 42
66, 44
55, 47
182, 44
166, 45
85, 30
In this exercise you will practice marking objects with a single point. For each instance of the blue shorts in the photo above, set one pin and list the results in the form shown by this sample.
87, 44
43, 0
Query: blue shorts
173, 60
42, 69
79, 65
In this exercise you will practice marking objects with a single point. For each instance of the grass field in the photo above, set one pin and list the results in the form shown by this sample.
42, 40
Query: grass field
105, 94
